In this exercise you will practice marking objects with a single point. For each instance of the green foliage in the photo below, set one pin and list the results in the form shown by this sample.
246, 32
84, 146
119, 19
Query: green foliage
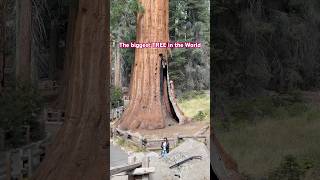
136, 6
191, 95
189, 21
200, 116
120, 141
289, 169
313, 114
19, 108
116, 97
265, 45
123, 29
195, 104
278, 106
129, 145
268, 140
122, 9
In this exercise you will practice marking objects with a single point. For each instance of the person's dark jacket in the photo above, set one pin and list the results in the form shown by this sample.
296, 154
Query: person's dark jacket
167, 146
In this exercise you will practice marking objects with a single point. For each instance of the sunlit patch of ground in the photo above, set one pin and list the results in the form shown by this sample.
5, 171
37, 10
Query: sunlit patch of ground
172, 131
259, 148
192, 107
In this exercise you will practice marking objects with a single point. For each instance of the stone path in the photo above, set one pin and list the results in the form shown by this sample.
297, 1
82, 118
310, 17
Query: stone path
117, 156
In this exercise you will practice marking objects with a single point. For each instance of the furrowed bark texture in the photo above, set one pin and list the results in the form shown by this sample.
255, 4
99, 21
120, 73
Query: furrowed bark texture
79, 150
61, 100
23, 64
117, 68
146, 109
3, 10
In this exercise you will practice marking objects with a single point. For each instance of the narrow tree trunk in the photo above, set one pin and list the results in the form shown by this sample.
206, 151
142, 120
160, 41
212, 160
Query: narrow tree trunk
117, 68
23, 63
146, 110
79, 151
53, 49
222, 164
2, 42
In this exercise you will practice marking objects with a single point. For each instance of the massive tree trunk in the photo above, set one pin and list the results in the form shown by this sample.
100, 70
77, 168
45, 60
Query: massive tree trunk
61, 100
23, 55
79, 150
147, 109
53, 49
3, 8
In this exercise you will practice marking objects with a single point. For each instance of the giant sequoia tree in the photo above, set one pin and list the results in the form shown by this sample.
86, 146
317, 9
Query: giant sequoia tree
79, 150
3, 6
23, 46
149, 102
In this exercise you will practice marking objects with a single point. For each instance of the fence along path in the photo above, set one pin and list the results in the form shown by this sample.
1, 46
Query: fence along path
154, 144
21, 163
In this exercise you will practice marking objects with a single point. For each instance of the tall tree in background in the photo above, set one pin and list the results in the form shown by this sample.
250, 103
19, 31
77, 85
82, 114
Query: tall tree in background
189, 21
117, 67
23, 43
265, 45
123, 28
3, 9
79, 151
53, 49
146, 110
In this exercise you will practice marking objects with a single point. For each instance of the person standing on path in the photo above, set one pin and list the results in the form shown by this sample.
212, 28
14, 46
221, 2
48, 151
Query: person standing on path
165, 147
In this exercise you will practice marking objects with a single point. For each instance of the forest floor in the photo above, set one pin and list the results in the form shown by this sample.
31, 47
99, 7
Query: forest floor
172, 131
259, 148
196, 106
195, 103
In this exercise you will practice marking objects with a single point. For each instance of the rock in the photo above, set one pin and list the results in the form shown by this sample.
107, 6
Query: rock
188, 170
153, 155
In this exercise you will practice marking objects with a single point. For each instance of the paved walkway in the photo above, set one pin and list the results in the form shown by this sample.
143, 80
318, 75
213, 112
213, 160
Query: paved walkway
117, 156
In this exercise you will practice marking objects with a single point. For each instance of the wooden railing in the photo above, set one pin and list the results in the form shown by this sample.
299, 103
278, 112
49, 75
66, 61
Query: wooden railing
154, 144
126, 101
135, 169
116, 113
54, 115
53, 120
48, 87
21, 163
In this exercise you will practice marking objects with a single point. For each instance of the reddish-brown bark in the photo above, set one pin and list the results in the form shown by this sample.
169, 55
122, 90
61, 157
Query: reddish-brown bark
23, 63
3, 6
148, 102
117, 68
79, 150
61, 100
223, 165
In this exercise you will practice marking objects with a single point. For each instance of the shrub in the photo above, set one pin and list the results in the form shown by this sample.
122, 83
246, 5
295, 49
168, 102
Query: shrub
278, 106
289, 169
191, 94
116, 97
200, 116
20, 107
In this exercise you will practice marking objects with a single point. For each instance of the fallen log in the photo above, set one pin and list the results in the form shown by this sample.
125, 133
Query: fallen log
122, 168
143, 171
185, 160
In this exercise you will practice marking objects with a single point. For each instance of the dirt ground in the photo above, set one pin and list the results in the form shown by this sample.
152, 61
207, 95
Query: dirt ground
172, 131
